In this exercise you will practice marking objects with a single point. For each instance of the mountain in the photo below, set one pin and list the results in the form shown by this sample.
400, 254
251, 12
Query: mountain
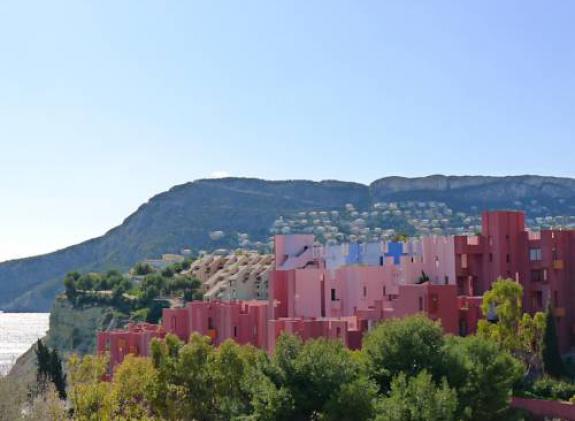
184, 216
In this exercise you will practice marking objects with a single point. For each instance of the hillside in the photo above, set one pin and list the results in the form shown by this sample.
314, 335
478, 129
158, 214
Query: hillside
184, 216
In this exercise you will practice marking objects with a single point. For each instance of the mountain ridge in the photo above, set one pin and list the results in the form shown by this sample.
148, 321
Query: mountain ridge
182, 217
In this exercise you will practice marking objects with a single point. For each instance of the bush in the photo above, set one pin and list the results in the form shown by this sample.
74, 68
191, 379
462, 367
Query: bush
549, 388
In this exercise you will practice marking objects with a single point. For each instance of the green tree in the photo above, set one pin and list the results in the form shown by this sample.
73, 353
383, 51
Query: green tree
233, 369
353, 401
552, 362
90, 397
318, 375
503, 301
70, 285
168, 272
483, 376
185, 387
532, 330
42, 364
406, 346
49, 369
417, 398
142, 269
131, 392
56, 373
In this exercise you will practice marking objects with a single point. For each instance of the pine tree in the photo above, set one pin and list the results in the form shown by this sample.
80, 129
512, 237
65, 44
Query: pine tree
49, 369
57, 375
42, 364
552, 362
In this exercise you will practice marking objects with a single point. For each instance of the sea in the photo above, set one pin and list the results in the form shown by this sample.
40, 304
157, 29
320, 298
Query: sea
18, 331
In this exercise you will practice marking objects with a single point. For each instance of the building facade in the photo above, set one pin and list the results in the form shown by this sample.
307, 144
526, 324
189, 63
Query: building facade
341, 291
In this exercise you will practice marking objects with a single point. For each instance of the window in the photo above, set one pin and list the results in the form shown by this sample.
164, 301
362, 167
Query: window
434, 303
462, 327
555, 299
537, 276
364, 291
535, 255
384, 293
490, 257
333, 298
464, 261
508, 258
338, 332
122, 346
210, 323
536, 300
420, 303
235, 331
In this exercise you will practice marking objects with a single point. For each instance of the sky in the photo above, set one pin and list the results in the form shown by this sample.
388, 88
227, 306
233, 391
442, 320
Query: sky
104, 104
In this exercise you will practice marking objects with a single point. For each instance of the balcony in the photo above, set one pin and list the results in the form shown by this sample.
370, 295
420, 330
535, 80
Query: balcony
558, 264
534, 235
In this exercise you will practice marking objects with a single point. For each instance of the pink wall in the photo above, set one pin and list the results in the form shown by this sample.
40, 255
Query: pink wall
292, 251
306, 293
439, 259
332, 328
134, 339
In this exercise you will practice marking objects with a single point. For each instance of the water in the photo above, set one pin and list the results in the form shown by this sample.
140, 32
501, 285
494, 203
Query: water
18, 331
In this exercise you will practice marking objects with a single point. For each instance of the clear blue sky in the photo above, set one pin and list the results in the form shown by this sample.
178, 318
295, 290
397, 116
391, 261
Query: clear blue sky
105, 103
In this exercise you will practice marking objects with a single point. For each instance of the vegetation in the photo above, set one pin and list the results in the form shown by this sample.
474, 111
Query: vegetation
142, 300
418, 398
552, 362
519, 333
49, 369
408, 370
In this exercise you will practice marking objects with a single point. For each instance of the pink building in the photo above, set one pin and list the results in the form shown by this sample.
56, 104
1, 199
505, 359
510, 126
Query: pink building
346, 330
134, 339
312, 298
243, 321
336, 292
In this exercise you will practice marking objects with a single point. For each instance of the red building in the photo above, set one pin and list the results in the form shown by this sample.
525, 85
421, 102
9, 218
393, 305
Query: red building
542, 262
